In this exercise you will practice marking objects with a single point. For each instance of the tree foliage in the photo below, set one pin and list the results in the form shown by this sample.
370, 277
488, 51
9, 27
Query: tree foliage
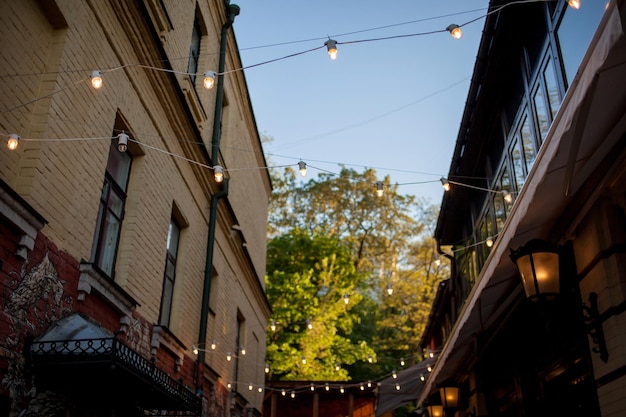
332, 236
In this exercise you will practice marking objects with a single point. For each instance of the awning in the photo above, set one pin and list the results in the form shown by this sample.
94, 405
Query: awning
410, 381
566, 161
83, 360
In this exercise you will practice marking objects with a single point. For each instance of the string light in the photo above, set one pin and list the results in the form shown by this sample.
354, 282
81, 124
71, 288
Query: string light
96, 80
445, 184
507, 195
394, 375
327, 386
369, 358
260, 389
293, 394
575, 4
267, 368
455, 31
401, 361
331, 45
273, 325
380, 188
218, 173
242, 350
250, 387
390, 290
397, 387
229, 356
309, 325
346, 298
341, 389
369, 384
489, 242
302, 168
213, 344
122, 142
304, 363
283, 392
312, 387
209, 79
337, 367
13, 141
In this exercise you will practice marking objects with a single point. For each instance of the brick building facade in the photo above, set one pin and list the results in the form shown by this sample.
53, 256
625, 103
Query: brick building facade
108, 305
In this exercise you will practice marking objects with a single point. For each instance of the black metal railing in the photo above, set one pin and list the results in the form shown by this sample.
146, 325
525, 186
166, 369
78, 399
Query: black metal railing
112, 350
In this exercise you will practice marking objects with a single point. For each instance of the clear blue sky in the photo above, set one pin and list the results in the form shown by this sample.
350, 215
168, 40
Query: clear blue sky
394, 105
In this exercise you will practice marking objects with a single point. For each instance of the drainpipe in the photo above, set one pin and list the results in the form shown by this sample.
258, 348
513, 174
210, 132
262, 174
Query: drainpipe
233, 11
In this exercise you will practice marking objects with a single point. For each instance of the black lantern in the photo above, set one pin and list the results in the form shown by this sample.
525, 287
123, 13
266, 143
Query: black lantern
538, 264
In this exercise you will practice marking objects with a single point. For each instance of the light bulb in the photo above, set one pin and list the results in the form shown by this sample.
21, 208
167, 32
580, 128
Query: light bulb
341, 390
218, 173
267, 368
331, 45
122, 142
445, 184
13, 141
96, 79
397, 387
455, 31
304, 363
574, 4
260, 389
507, 196
283, 392
213, 344
195, 350
250, 387
273, 326
327, 386
369, 384
229, 356
394, 375
209, 79
346, 298
422, 378
489, 242
309, 325
369, 358
337, 367
242, 350
362, 387
312, 387
229, 385
293, 394
389, 289
380, 188
401, 361
302, 168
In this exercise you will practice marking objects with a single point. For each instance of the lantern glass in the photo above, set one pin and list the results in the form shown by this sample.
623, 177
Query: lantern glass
449, 396
540, 274
435, 410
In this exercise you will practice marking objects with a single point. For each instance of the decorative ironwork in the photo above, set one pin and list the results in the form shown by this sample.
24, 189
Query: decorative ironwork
115, 352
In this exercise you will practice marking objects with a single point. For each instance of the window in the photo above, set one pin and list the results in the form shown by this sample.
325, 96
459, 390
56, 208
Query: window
194, 51
111, 211
173, 239
530, 154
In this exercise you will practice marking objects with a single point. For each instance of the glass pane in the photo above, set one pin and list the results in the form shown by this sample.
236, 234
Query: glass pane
575, 33
554, 97
108, 244
499, 211
118, 166
529, 146
543, 119
518, 165
166, 302
173, 237
116, 204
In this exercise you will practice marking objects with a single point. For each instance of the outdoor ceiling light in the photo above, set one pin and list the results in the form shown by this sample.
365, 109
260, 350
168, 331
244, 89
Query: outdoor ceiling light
445, 184
332, 48
209, 79
455, 31
13, 141
96, 79
302, 168
122, 142
538, 264
218, 173
380, 188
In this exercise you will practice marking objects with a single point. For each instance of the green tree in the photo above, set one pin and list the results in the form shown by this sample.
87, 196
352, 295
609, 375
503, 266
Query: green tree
387, 241
310, 275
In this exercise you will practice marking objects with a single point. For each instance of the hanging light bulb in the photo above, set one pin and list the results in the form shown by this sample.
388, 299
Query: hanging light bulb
213, 344
394, 375
346, 298
218, 173
331, 45
389, 289
380, 188
445, 184
362, 387
507, 196
397, 387
195, 350
273, 326
242, 350
455, 31
337, 367
96, 79
489, 242
341, 390
283, 392
369, 384
302, 168
260, 389
250, 387
293, 394
122, 142
401, 361
209, 79
229, 356
304, 363
422, 378
229, 385
13, 141
327, 386
574, 4
369, 358
309, 325
312, 387
267, 368
429, 369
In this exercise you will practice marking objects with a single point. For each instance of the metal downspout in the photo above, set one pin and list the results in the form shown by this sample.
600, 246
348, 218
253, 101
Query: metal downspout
233, 11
